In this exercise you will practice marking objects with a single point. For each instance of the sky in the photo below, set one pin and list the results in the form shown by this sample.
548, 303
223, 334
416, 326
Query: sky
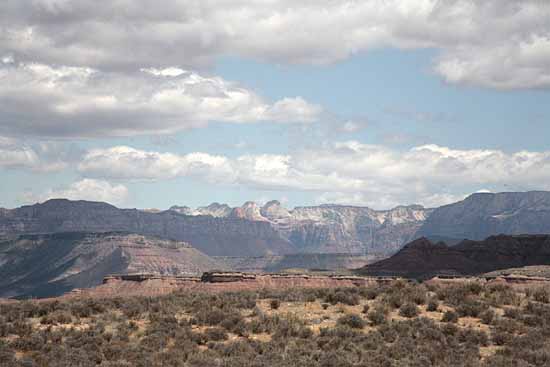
377, 103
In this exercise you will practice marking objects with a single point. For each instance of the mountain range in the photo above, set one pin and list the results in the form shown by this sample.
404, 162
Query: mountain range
253, 230
52, 247
329, 228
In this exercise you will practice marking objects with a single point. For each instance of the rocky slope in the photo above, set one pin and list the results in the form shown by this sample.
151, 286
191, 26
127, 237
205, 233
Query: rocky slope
481, 215
52, 264
228, 236
423, 258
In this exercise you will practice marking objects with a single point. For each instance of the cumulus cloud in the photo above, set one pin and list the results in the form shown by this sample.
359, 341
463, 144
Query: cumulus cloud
86, 189
493, 43
38, 99
123, 162
343, 172
39, 157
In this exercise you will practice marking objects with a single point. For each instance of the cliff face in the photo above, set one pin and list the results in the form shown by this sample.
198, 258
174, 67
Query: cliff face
423, 258
211, 235
337, 228
482, 215
52, 264
333, 228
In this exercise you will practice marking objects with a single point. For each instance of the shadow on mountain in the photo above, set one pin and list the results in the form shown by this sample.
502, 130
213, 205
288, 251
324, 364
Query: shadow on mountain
423, 258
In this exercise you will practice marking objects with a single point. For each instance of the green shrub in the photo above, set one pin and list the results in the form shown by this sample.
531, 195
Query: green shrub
377, 316
470, 308
432, 306
408, 310
352, 320
450, 316
344, 296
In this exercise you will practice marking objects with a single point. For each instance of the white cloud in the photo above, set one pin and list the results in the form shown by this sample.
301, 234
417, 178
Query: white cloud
123, 162
86, 189
493, 43
37, 99
38, 157
344, 172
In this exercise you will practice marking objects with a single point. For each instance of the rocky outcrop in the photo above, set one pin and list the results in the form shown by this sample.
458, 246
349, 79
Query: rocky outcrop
484, 214
51, 264
423, 258
215, 210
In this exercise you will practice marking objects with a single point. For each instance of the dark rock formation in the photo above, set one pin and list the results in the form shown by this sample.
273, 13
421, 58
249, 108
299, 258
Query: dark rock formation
423, 258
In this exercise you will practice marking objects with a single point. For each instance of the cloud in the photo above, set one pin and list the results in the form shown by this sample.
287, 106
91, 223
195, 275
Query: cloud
39, 157
345, 172
493, 43
37, 99
123, 162
86, 189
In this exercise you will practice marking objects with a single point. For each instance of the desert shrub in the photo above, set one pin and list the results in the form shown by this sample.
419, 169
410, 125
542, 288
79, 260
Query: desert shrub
475, 337
215, 334
366, 309
449, 329
501, 294
369, 293
500, 337
408, 310
310, 298
512, 313
541, 295
470, 308
377, 316
394, 300
56, 317
456, 294
274, 304
487, 316
352, 320
344, 296
213, 316
235, 323
291, 326
450, 316
432, 306
417, 295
